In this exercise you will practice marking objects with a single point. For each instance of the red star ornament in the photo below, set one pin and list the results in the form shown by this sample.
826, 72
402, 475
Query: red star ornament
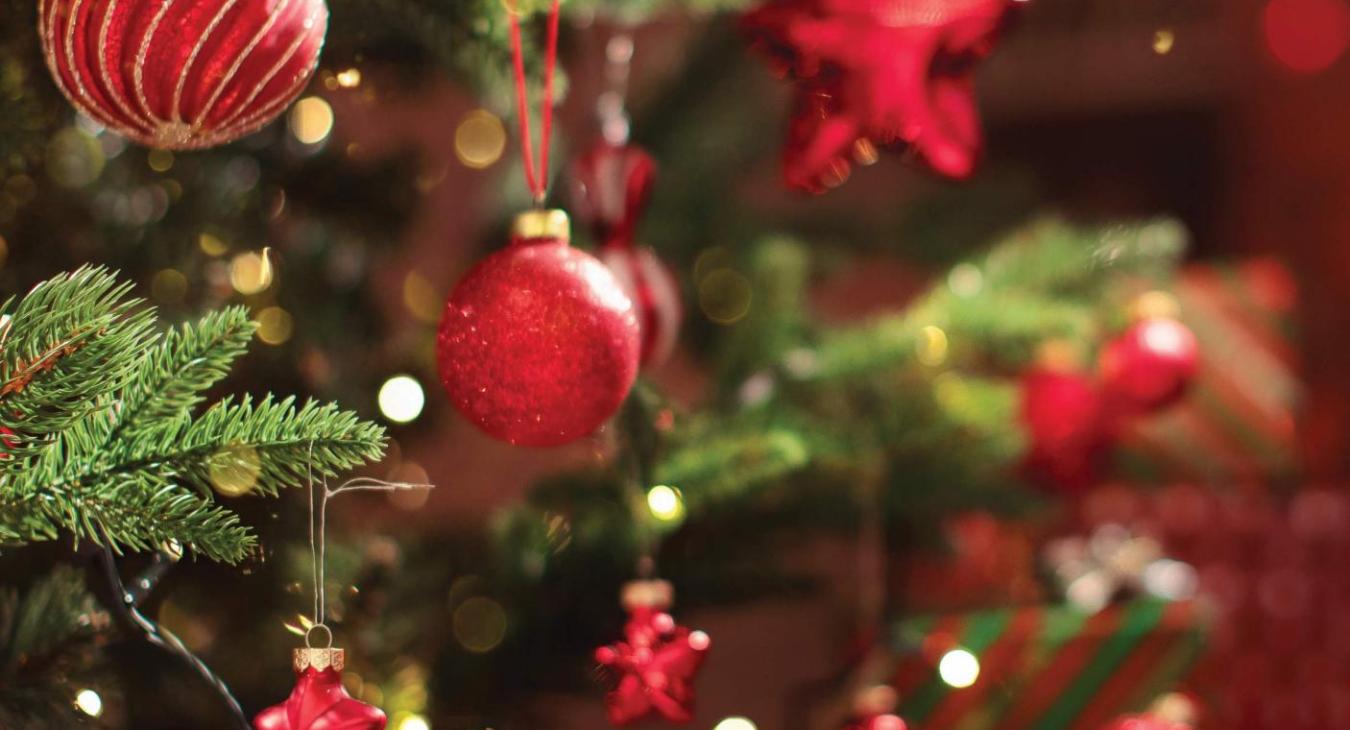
319, 701
878, 72
657, 662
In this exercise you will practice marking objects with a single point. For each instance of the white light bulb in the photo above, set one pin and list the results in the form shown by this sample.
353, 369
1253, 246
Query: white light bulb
401, 399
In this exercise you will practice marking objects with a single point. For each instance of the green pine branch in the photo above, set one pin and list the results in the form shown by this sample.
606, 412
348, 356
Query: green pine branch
110, 449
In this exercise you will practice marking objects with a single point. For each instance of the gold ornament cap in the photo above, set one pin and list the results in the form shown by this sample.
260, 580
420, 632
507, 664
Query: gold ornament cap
542, 223
658, 594
319, 659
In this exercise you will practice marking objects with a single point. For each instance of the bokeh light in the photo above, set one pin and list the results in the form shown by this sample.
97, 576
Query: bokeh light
311, 120
959, 668
275, 325
89, 702
965, 280
421, 298
480, 139
349, 78
251, 272
401, 399
666, 503
159, 160
211, 245
234, 470
1306, 36
735, 723
169, 286
413, 722
74, 158
724, 295
409, 500
479, 624
1163, 40
932, 346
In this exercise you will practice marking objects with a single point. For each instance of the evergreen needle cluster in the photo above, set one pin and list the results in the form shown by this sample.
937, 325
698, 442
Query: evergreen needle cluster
104, 439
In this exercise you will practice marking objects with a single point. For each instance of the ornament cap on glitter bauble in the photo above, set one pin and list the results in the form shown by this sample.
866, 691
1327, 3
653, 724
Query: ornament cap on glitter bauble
538, 344
319, 701
184, 74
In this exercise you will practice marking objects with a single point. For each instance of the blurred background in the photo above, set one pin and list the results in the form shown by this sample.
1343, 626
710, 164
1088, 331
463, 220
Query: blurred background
879, 452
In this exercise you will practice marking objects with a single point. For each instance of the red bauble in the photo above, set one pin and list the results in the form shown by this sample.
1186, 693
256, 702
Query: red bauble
878, 71
657, 661
539, 344
319, 701
612, 184
1150, 365
182, 75
1068, 427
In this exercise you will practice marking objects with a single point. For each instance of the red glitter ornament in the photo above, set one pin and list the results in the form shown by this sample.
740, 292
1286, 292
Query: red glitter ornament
1068, 427
186, 74
319, 702
1150, 365
538, 345
656, 663
612, 184
878, 72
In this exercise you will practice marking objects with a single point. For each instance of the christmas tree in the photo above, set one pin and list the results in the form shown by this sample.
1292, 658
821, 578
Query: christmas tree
834, 424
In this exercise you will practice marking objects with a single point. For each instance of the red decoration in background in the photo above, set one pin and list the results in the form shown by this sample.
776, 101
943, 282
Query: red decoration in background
874, 709
182, 75
612, 186
538, 345
1067, 422
656, 662
1150, 365
1144, 722
877, 722
878, 72
1306, 36
319, 702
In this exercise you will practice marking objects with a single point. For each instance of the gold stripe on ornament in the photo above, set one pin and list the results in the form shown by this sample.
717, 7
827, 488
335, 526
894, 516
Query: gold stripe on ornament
239, 62
192, 58
233, 122
138, 70
88, 104
113, 90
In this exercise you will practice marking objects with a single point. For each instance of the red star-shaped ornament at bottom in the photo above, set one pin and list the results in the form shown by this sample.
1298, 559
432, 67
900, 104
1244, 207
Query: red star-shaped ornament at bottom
878, 71
657, 661
319, 701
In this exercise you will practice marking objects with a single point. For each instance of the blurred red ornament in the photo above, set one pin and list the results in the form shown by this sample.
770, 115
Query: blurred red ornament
182, 75
878, 72
612, 184
874, 709
538, 345
1306, 36
656, 662
877, 722
1066, 422
1150, 365
319, 702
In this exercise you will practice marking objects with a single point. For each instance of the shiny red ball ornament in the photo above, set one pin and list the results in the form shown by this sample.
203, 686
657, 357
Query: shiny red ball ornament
182, 74
1067, 425
319, 701
656, 663
1150, 365
878, 72
538, 345
611, 186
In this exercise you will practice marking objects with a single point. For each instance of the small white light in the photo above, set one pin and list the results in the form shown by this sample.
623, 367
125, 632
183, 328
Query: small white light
959, 668
88, 702
736, 723
665, 503
401, 399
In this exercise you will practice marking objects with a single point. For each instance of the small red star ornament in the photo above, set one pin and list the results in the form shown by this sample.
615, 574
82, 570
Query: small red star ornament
656, 662
878, 72
319, 701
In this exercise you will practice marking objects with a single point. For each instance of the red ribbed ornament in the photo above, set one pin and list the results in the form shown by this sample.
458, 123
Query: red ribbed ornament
182, 74
538, 344
319, 702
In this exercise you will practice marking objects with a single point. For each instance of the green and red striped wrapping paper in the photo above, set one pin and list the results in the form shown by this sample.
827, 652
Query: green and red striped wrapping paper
1237, 422
1045, 667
